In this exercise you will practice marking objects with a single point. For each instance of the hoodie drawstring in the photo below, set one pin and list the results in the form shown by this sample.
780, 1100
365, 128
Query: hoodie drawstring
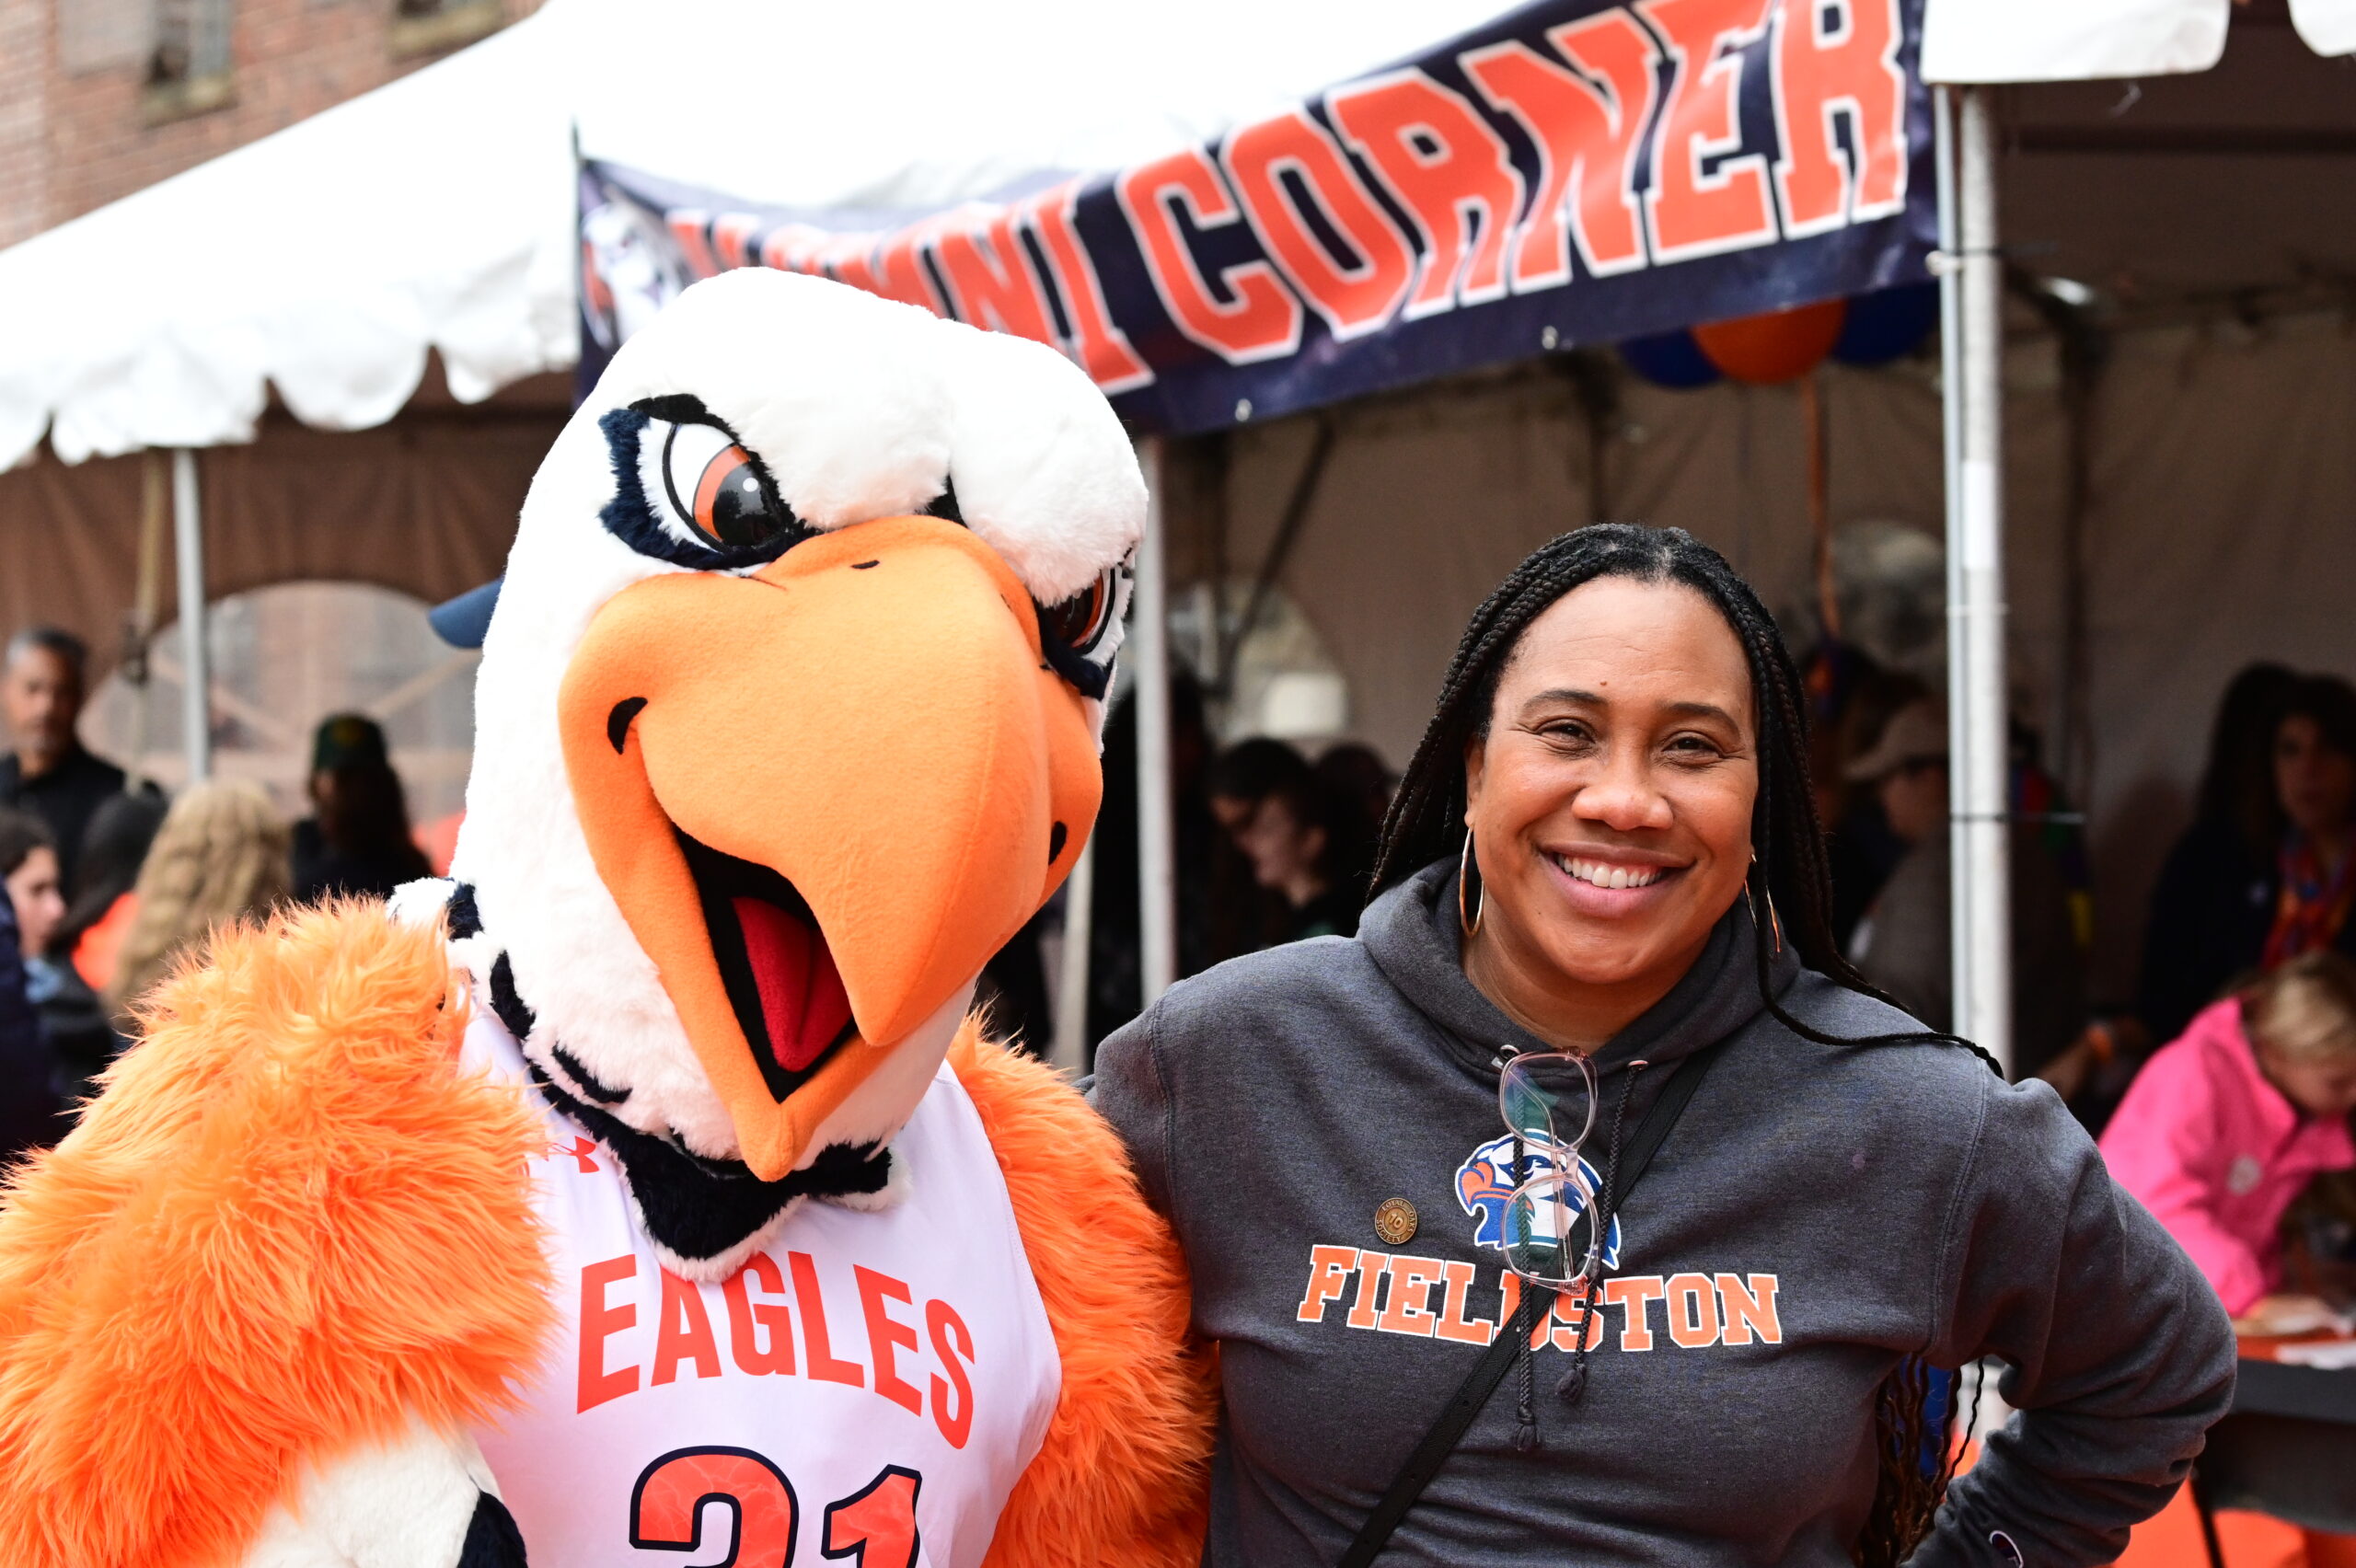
1525, 1431
1574, 1383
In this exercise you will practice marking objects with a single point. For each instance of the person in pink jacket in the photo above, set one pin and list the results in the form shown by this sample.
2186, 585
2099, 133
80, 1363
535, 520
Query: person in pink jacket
2226, 1124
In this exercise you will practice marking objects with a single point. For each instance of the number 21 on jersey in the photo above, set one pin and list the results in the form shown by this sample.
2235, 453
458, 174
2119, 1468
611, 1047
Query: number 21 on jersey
873, 1527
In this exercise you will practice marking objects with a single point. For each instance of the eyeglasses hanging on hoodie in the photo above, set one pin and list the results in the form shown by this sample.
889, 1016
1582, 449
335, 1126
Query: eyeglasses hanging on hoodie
1540, 1094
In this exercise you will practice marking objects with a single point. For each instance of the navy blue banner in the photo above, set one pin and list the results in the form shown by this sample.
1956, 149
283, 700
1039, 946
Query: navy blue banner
1576, 172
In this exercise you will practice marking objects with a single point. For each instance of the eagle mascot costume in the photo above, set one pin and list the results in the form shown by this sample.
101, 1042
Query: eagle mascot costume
649, 1186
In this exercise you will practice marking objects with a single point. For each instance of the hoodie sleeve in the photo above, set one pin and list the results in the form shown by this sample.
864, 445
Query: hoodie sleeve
2119, 1356
1130, 1091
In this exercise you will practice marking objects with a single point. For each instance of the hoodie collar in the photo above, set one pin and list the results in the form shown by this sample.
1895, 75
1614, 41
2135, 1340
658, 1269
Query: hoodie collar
1414, 937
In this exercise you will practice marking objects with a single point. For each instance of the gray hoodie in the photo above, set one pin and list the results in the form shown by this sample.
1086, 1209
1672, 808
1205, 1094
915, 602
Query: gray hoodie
1818, 1213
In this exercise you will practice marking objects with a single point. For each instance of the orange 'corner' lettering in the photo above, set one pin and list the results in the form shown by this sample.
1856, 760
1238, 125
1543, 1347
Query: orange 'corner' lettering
991, 283
1589, 127
1260, 318
1101, 348
1352, 300
1819, 73
1695, 212
1450, 171
688, 226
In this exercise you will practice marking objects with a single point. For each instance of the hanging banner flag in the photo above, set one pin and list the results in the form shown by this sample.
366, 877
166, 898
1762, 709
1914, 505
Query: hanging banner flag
1572, 173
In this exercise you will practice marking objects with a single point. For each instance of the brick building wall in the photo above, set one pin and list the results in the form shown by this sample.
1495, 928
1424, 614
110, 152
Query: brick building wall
83, 123
24, 117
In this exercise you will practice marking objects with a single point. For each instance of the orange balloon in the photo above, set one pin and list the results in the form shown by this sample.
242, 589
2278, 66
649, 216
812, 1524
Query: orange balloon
1781, 345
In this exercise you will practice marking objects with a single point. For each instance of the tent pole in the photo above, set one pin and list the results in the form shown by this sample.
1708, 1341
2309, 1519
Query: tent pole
1149, 638
1983, 948
1069, 1048
196, 678
1950, 275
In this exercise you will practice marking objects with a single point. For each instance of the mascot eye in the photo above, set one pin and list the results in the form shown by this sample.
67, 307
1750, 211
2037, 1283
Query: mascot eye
715, 490
1080, 635
1080, 622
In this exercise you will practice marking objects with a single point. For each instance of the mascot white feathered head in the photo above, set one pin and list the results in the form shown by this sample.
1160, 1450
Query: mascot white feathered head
786, 720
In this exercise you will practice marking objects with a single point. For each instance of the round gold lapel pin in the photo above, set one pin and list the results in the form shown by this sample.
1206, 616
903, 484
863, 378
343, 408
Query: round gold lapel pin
1394, 1222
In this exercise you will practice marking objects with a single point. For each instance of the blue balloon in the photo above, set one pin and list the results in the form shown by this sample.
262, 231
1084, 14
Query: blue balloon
1669, 359
1887, 324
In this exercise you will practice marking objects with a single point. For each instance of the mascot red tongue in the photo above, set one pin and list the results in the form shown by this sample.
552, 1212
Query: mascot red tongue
652, 1163
803, 1006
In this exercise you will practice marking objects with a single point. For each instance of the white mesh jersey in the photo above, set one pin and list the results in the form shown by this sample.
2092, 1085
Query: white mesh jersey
866, 1389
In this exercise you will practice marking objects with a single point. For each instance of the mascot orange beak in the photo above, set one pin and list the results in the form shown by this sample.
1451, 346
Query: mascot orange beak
823, 796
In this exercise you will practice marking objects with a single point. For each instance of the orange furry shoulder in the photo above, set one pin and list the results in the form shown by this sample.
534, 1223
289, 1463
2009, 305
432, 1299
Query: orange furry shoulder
287, 1225
1123, 1475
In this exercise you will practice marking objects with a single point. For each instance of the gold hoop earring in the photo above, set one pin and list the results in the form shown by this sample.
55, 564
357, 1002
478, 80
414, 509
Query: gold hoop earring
1468, 915
1774, 926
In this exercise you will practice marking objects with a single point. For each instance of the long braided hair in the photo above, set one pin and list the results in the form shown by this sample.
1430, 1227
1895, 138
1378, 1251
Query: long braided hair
1789, 873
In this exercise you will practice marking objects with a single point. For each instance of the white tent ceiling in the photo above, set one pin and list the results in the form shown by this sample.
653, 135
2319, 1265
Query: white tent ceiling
437, 211
435, 214
2072, 41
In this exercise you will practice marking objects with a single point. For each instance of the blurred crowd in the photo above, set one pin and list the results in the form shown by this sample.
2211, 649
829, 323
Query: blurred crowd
2222, 1088
108, 884
2240, 1031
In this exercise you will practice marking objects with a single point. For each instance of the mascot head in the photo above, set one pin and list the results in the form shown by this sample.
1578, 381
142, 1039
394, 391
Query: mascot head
786, 720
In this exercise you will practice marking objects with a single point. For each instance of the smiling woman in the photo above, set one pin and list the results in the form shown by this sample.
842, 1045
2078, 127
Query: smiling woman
1601, 933
1610, 795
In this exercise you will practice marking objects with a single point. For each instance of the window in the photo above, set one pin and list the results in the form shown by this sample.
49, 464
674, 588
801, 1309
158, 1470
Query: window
426, 27
283, 658
188, 67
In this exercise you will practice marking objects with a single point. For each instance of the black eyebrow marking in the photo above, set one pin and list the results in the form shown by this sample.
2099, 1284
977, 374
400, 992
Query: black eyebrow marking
944, 505
679, 408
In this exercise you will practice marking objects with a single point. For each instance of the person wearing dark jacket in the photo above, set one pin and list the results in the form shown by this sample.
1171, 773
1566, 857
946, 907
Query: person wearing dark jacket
357, 843
78, 1037
28, 1099
1604, 858
1303, 837
44, 675
2279, 797
1903, 945
2209, 909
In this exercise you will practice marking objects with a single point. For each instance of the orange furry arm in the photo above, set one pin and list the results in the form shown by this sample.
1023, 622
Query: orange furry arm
287, 1225
1123, 1473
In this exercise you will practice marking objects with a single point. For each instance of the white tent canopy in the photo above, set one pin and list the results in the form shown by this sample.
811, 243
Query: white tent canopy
2075, 41
437, 211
